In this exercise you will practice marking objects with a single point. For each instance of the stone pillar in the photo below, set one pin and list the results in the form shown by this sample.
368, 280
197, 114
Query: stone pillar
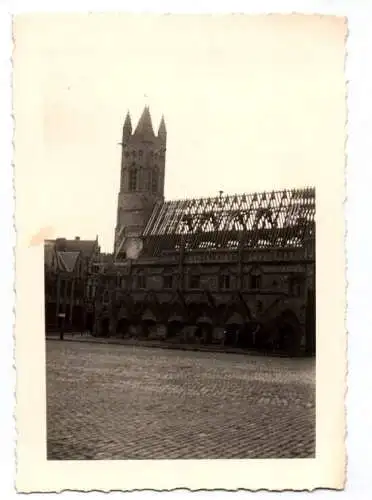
112, 327
239, 283
218, 334
310, 323
72, 300
58, 299
64, 303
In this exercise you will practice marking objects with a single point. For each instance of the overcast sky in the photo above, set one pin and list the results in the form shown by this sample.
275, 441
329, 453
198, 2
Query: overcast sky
250, 103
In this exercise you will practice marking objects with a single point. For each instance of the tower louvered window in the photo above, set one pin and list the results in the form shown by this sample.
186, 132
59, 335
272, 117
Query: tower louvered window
132, 179
154, 181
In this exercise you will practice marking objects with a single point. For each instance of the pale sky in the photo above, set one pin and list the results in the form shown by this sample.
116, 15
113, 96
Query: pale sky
250, 103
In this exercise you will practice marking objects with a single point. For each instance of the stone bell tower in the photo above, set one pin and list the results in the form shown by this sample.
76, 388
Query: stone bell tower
141, 177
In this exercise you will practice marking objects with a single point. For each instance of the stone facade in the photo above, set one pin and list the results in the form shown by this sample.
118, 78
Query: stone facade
227, 299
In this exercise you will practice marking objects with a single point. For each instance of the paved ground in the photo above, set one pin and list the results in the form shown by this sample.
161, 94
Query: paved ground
119, 402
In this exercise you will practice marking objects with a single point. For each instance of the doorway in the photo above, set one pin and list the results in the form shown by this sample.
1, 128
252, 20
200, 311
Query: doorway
89, 322
122, 328
105, 327
174, 328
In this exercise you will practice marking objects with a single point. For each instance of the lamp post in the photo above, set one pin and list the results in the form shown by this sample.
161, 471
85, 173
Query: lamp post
61, 330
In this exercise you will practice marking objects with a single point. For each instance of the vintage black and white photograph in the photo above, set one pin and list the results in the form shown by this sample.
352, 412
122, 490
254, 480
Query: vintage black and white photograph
181, 158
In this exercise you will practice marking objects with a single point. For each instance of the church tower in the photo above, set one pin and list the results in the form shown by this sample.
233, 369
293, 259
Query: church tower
141, 177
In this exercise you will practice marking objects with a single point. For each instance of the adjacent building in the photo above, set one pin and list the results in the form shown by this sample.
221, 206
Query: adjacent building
70, 283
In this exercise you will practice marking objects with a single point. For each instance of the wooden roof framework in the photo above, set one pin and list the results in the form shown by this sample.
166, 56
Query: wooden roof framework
259, 220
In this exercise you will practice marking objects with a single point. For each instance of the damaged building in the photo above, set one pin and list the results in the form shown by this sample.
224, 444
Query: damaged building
232, 270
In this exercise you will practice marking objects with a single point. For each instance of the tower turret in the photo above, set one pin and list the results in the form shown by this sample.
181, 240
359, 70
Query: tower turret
162, 132
127, 129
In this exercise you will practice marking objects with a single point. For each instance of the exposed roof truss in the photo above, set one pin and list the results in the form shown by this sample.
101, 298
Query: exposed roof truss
258, 220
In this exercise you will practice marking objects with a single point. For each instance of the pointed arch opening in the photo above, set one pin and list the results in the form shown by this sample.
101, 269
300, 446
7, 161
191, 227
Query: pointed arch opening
105, 326
175, 325
289, 333
133, 179
283, 334
149, 322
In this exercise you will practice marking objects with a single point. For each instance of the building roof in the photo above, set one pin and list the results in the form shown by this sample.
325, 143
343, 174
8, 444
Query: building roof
49, 253
67, 260
63, 254
283, 218
86, 247
60, 260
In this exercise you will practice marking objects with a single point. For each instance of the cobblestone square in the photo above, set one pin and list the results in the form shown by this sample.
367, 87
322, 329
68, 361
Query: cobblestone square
124, 402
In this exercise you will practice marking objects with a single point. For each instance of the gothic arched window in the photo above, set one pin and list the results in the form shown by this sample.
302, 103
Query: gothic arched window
132, 179
154, 180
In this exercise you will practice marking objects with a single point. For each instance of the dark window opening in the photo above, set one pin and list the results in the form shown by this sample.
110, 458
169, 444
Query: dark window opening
255, 282
141, 281
224, 282
168, 281
194, 281
295, 287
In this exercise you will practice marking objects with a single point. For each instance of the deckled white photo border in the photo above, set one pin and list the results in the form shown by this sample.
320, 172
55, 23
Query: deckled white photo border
34, 348
326, 470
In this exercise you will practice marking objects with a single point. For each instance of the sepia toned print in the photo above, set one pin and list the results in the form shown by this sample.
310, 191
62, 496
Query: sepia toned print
194, 332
